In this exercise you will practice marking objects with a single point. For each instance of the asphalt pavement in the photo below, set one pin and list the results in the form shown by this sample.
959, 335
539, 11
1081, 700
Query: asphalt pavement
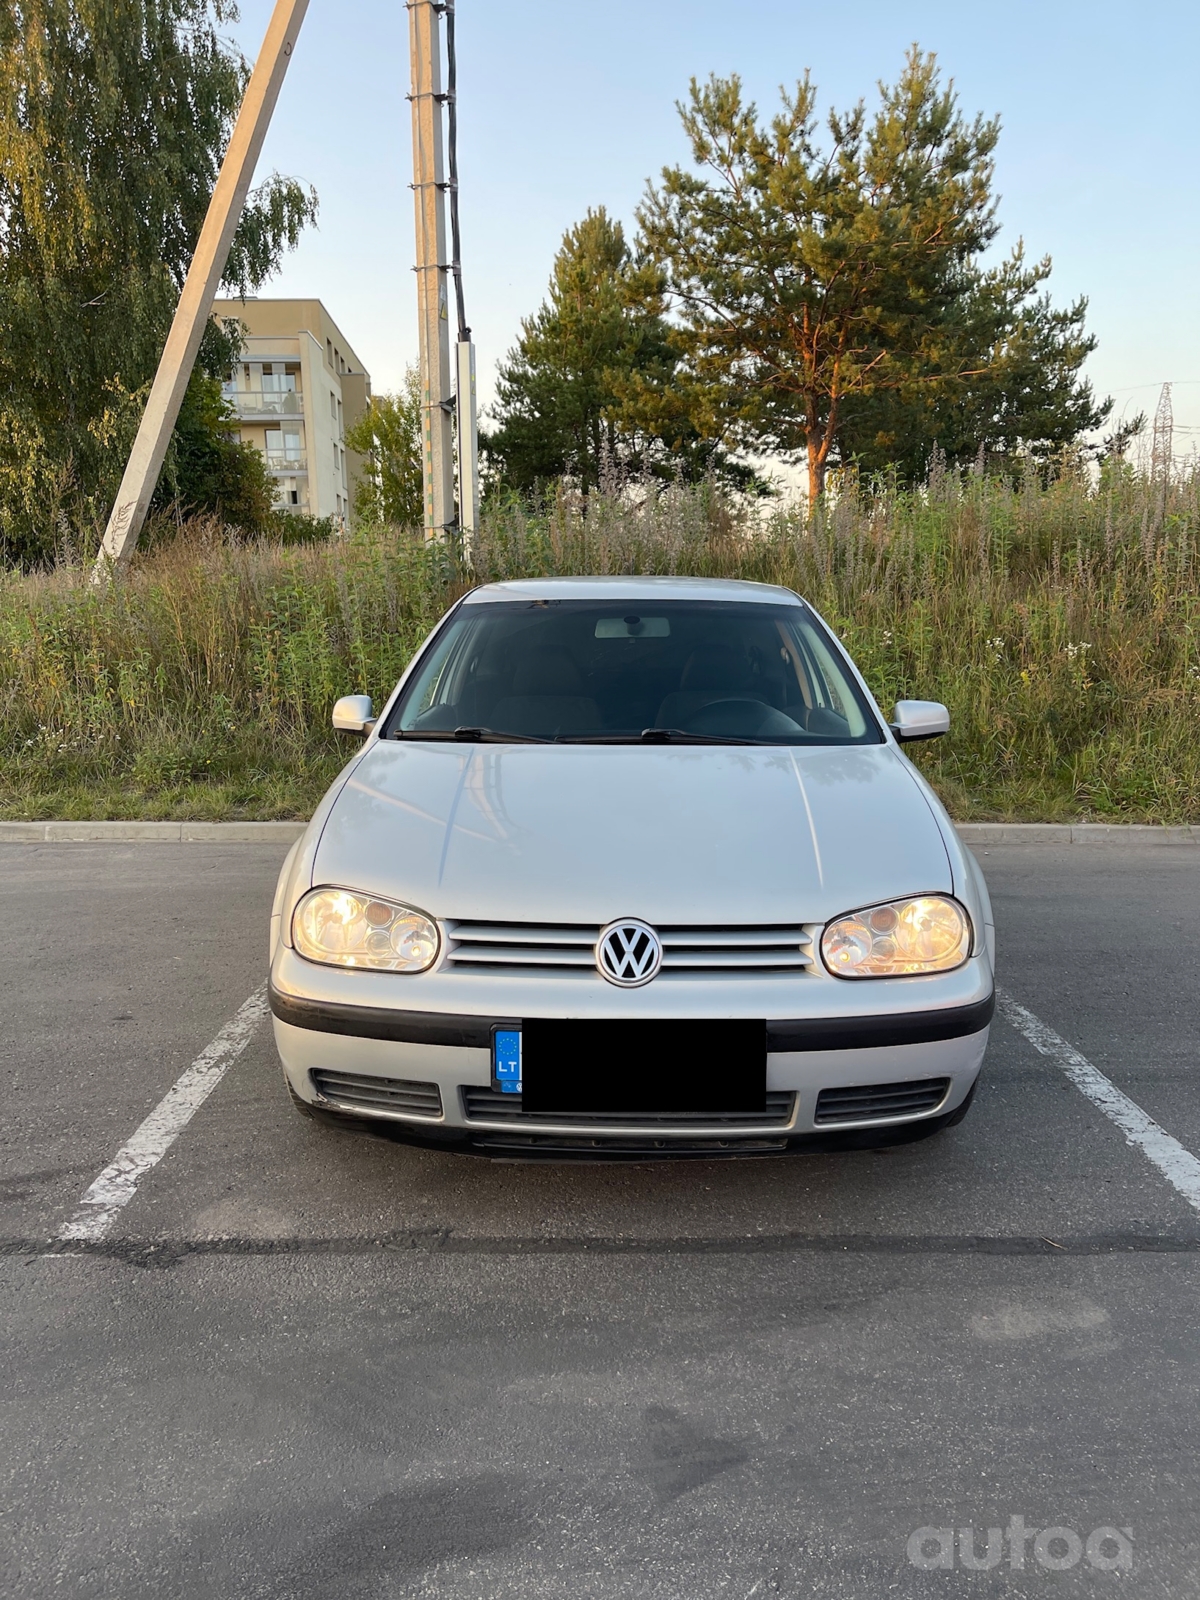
307, 1363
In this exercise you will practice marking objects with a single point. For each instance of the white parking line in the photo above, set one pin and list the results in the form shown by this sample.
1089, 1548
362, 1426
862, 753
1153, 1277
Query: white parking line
1178, 1166
117, 1184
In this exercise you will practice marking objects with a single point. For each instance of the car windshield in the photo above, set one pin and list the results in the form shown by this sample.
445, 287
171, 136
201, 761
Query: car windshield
644, 670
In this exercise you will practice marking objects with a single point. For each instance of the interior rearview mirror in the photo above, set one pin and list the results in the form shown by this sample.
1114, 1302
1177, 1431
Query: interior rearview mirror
354, 713
919, 719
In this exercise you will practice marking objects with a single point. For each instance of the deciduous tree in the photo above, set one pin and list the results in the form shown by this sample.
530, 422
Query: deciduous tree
388, 437
113, 122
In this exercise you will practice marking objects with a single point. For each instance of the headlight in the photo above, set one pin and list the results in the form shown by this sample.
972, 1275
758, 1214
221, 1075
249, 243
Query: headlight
343, 929
927, 934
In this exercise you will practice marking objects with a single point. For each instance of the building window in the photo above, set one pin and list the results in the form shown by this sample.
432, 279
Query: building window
285, 447
278, 381
333, 405
329, 351
278, 393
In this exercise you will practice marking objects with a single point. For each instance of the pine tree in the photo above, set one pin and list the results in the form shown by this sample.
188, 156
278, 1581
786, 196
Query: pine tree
831, 302
588, 388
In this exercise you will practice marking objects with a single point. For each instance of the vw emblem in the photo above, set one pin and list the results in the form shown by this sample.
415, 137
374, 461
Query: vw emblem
628, 953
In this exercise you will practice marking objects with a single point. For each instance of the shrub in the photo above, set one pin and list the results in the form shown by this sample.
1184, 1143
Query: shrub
1059, 622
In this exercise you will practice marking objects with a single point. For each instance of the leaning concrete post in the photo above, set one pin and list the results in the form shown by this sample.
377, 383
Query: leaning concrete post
203, 280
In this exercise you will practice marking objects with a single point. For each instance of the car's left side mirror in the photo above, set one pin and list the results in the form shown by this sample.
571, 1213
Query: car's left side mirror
354, 713
919, 719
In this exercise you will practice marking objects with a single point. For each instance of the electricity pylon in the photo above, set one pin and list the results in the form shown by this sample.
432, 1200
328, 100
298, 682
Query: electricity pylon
1162, 450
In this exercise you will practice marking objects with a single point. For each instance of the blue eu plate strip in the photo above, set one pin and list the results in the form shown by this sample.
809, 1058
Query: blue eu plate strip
506, 1060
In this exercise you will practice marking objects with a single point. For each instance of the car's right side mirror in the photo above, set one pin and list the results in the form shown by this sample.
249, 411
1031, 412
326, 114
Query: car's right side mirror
919, 719
354, 713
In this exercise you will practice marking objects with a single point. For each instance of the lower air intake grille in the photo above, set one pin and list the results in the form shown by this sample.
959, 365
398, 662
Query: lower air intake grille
627, 1146
397, 1095
489, 1105
874, 1102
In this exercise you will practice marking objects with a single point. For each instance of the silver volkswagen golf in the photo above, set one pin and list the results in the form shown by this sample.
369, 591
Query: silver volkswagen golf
633, 867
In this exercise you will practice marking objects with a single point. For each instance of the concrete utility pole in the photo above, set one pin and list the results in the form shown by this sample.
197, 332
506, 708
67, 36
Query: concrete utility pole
468, 443
203, 280
429, 186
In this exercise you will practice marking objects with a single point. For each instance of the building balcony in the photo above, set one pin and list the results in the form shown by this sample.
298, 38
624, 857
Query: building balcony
287, 466
298, 508
254, 404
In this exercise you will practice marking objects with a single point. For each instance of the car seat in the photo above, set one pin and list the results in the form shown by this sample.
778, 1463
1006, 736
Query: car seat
547, 698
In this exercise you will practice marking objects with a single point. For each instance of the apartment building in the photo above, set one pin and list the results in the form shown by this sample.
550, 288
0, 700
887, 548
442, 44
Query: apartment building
296, 390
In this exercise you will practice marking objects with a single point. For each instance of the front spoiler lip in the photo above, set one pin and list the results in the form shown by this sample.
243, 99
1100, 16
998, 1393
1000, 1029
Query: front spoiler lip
766, 1145
797, 1034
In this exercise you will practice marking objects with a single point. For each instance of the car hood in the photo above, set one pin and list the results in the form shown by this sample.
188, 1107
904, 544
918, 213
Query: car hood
673, 834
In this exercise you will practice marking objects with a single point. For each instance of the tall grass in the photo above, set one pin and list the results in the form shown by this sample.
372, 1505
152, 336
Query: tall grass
1058, 622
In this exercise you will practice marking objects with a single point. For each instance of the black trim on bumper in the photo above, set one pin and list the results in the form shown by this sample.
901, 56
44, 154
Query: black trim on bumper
861, 1033
806, 1033
376, 1022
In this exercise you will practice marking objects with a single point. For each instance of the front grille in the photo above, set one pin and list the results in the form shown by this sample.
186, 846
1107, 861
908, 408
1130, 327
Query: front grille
489, 1105
616, 1145
567, 949
400, 1096
875, 1102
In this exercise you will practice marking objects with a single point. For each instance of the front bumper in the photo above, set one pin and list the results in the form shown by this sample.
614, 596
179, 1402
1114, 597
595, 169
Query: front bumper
330, 1033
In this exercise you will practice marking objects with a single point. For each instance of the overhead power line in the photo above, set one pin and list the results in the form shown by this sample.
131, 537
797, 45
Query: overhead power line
464, 332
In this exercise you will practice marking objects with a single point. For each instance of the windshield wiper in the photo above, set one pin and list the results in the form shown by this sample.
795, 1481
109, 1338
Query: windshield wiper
491, 736
470, 736
678, 736
651, 736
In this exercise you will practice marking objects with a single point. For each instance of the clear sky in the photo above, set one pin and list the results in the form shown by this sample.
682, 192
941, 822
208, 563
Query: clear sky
565, 105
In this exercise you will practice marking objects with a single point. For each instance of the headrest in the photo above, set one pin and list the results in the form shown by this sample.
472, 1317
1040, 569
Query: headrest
716, 666
547, 672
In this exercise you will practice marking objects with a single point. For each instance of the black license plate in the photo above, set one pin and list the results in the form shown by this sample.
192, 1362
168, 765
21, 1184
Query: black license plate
654, 1068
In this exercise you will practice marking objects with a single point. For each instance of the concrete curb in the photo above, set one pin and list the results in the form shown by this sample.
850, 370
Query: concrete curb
151, 832
971, 833
1061, 833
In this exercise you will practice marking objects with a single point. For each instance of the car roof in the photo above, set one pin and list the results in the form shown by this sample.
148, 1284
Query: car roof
633, 588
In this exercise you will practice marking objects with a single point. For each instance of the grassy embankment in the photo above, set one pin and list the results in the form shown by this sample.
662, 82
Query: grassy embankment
1060, 626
